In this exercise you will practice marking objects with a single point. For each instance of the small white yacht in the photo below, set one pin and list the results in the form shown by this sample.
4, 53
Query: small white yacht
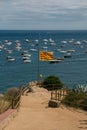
8, 51
8, 42
63, 51
27, 40
51, 40
55, 61
18, 48
71, 50
52, 44
10, 58
26, 60
33, 49
45, 40
25, 54
68, 55
64, 42
77, 43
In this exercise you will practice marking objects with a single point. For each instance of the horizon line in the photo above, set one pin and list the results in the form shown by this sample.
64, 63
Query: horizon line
43, 30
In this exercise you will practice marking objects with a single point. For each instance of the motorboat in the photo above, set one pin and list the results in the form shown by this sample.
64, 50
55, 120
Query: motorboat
64, 42
61, 51
52, 44
77, 43
33, 49
9, 51
18, 48
27, 40
26, 60
45, 40
68, 55
25, 54
51, 40
10, 58
55, 61
71, 50
8, 42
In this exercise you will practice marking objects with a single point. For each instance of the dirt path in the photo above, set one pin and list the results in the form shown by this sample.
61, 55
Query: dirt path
34, 114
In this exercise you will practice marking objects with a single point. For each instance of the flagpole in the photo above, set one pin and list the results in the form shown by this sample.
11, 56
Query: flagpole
38, 68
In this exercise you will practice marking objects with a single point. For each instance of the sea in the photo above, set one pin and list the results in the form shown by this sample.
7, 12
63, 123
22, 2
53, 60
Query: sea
16, 72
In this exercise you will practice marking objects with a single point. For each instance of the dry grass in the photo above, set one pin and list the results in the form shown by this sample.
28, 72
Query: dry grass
4, 105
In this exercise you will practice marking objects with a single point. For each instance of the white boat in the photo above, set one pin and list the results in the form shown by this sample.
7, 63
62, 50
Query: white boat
25, 53
58, 49
45, 48
45, 40
71, 41
17, 41
52, 44
51, 40
18, 44
84, 41
72, 50
36, 40
63, 51
45, 43
77, 43
8, 42
25, 58
27, 61
55, 61
32, 49
27, 40
64, 42
68, 55
18, 48
9, 51
9, 58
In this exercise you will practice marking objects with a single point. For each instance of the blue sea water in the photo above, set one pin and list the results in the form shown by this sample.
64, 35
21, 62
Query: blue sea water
71, 70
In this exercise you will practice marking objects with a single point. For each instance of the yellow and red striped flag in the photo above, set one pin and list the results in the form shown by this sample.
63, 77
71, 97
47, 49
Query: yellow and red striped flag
44, 56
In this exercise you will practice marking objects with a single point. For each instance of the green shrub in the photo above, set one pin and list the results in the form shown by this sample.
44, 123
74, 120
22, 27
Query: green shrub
76, 99
84, 104
52, 82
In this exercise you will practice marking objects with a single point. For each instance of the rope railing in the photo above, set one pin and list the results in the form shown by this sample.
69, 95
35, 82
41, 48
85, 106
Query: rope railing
16, 101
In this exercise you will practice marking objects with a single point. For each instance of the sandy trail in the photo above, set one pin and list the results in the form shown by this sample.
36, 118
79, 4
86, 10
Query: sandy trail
34, 114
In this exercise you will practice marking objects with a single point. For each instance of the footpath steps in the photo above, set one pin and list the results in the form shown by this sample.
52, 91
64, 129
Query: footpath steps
6, 117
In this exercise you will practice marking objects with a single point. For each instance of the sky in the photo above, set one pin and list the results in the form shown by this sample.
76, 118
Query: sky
43, 14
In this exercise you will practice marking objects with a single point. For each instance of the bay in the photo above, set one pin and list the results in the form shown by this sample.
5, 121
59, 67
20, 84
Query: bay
71, 70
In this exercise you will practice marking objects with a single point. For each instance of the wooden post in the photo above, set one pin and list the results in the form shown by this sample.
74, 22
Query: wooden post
51, 95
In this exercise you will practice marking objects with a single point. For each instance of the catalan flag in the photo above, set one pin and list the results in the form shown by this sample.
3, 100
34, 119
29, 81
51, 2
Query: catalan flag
44, 56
